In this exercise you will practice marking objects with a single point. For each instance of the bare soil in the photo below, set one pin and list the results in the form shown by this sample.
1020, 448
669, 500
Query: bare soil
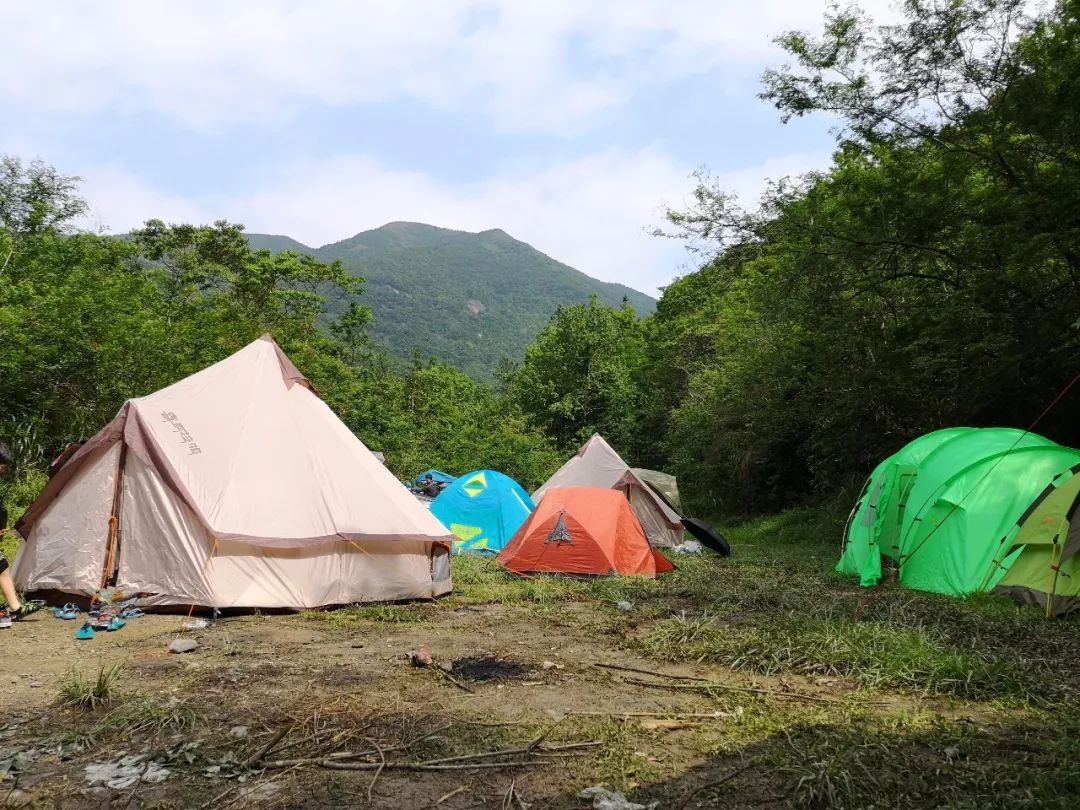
351, 688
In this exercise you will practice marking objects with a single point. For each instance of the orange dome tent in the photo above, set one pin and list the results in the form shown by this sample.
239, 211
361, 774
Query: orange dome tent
583, 530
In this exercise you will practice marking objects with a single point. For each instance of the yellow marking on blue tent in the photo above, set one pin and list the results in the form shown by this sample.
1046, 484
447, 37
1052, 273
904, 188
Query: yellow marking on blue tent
465, 533
475, 485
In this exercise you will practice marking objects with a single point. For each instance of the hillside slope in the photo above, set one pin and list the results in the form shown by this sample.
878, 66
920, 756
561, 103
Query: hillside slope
470, 299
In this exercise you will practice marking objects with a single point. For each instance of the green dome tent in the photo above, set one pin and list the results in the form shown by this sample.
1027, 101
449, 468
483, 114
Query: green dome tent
964, 510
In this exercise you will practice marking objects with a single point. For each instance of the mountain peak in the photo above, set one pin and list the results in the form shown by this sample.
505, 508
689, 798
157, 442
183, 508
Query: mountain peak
430, 288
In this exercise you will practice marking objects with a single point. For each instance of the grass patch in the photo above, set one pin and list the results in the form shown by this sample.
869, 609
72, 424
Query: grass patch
872, 654
360, 615
78, 690
942, 764
482, 581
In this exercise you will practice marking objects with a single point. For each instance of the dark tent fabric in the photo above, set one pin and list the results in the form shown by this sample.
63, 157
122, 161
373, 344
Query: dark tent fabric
707, 536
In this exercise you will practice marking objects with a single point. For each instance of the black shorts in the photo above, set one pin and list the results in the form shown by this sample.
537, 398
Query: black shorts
3, 563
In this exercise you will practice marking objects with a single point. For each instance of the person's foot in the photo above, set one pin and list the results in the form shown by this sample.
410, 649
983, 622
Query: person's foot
26, 609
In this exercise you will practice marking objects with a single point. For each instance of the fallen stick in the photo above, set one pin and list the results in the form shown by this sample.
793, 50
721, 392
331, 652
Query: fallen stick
717, 783
533, 748
342, 755
717, 715
420, 766
262, 752
452, 794
651, 672
456, 682
707, 687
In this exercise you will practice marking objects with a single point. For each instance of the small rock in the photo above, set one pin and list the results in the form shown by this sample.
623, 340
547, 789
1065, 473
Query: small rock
604, 799
184, 645
421, 658
239, 732
624, 607
18, 798
36, 684
263, 791
550, 665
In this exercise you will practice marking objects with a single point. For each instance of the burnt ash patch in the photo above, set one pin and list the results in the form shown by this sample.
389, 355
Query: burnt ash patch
489, 668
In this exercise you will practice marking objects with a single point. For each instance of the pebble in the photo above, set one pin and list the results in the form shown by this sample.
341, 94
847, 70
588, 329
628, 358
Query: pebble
18, 798
625, 607
183, 645
36, 684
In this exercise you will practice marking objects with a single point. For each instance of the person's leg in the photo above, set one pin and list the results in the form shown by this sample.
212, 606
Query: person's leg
7, 586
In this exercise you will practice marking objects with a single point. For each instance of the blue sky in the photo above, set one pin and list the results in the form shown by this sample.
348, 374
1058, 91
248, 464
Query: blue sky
569, 124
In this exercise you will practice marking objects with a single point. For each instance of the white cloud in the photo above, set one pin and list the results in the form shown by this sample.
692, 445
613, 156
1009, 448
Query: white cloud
591, 213
550, 67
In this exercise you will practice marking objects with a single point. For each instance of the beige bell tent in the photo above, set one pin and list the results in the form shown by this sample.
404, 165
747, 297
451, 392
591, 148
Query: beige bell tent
598, 465
234, 488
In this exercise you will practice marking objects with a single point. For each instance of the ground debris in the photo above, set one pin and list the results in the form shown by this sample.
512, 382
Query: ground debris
183, 645
125, 773
421, 658
604, 799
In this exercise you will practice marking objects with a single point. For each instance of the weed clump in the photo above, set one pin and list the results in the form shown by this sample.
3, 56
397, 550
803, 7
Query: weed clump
77, 690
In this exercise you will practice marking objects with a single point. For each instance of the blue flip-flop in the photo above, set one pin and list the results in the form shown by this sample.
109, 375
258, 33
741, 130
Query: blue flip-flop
115, 624
85, 632
68, 612
132, 613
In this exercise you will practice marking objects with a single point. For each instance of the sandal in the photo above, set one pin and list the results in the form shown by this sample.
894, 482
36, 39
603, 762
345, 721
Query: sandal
115, 624
85, 632
68, 612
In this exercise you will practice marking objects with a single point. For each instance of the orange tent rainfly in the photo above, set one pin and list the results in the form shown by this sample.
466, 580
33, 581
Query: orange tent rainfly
583, 530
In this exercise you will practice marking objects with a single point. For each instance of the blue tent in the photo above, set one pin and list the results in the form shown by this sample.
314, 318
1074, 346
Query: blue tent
483, 509
437, 476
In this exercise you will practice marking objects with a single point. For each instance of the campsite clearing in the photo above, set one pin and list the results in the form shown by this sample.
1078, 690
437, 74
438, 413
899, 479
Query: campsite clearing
781, 683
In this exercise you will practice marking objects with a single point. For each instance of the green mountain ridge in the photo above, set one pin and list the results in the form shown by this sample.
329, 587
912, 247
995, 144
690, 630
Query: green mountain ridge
470, 299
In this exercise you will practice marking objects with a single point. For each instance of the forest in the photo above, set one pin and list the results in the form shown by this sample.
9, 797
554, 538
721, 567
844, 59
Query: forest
929, 276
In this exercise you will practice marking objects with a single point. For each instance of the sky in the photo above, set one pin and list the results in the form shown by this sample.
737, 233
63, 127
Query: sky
570, 124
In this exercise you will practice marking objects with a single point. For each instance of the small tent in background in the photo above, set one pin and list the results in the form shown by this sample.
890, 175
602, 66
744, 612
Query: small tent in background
965, 510
598, 465
663, 484
482, 509
439, 477
583, 530
235, 487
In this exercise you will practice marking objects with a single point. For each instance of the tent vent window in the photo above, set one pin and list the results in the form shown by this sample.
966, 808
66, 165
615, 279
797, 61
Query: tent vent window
559, 533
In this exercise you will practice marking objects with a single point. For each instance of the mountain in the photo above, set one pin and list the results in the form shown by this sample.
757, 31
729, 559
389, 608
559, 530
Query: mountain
277, 244
470, 299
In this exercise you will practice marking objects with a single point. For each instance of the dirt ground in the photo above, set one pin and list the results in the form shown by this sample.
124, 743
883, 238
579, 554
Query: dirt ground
347, 687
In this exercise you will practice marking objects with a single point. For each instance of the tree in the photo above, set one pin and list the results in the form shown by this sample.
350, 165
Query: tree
580, 375
35, 198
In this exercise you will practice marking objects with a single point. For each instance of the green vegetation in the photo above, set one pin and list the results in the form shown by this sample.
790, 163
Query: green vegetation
470, 299
78, 690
